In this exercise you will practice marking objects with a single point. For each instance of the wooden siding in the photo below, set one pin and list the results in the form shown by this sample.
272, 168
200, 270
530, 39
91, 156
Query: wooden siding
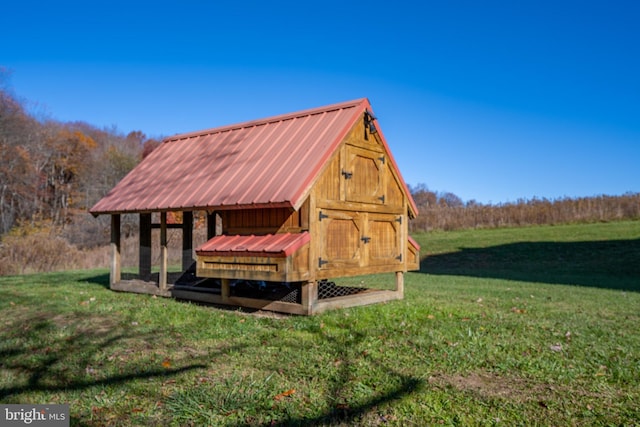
394, 196
328, 186
264, 221
293, 268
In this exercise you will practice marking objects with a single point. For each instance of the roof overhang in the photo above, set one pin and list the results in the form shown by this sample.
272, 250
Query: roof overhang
270, 245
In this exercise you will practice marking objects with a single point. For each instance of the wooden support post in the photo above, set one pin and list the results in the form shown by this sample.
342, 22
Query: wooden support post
115, 267
309, 296
162, 280
187, 240
400, 284
214, 225
144, 254
225, 290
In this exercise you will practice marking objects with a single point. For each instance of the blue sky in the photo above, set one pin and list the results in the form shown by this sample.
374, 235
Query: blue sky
493, 101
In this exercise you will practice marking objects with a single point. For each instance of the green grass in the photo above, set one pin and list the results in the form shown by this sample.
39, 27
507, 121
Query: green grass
531, 326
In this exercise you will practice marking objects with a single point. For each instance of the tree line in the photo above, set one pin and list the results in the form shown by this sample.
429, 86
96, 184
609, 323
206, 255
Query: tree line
446, 211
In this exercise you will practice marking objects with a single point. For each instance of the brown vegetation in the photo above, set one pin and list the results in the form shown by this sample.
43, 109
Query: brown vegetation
448, 212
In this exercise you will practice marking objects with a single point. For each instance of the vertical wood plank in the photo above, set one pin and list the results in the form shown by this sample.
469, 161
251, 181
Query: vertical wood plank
162, 280
214, 224
365, 259
219, 225
225, 290
400, 284
309, 296
187, 240
340, 180
304, 215
115, 268
404, 235
144, 254
314, 230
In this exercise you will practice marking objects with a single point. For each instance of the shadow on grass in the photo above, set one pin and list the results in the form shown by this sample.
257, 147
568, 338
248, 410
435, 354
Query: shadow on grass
612, 264
48, 352
353, 384
353, 414
348, 407
101, 279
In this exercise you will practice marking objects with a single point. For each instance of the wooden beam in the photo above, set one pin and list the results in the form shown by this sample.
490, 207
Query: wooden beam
309, 296
321, 306
400, 284
115, 272
371, 297
214, 225
258, 304
225, 290
144, 254
163, 252
187, 240
140, 287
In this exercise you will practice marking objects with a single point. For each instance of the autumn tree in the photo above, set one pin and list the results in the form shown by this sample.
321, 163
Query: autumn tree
423, 197
17, 178
67, 155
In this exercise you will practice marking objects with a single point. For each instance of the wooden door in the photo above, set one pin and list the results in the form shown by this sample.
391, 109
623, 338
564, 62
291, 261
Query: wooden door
358, 239
384, 246
364, 175
340, 244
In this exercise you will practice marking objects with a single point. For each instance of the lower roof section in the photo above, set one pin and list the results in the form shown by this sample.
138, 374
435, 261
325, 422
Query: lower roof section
413, 242
270, 245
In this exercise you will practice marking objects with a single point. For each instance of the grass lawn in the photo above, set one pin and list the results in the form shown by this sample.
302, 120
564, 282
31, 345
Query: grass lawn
527, 326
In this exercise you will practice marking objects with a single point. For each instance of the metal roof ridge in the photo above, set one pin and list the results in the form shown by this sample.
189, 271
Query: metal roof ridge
267, 120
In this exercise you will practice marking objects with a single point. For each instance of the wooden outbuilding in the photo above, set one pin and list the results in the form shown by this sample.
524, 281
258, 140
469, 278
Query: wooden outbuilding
291, 202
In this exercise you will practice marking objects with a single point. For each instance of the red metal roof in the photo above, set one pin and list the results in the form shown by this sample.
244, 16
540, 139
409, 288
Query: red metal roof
276, 245
271, 162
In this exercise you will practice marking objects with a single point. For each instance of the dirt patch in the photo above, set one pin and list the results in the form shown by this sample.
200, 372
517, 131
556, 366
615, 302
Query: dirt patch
487, 385
85, 324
